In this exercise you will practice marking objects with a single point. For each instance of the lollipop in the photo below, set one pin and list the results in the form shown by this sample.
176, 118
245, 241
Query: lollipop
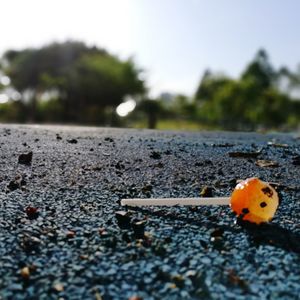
252, 200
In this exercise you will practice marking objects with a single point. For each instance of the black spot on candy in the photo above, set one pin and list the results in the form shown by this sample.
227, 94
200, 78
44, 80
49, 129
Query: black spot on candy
267, 191
245, 211
263, 204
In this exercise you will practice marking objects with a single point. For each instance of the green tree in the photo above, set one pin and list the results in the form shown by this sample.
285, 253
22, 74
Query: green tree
100, 81
254, 100
260, 71
86, 78
209, 85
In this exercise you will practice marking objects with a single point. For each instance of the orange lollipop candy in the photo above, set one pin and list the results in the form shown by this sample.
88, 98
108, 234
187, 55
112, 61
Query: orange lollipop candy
254, 200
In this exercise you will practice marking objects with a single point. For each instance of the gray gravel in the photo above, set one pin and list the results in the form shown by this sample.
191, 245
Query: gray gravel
61, 236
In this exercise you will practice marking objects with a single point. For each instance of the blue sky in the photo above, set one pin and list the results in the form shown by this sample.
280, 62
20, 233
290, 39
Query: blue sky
173, 40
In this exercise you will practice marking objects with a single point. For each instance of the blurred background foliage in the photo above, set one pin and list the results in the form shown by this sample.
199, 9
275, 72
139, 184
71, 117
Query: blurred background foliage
75, 84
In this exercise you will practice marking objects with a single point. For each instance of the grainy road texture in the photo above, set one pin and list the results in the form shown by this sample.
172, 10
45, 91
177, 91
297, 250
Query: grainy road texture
61, 236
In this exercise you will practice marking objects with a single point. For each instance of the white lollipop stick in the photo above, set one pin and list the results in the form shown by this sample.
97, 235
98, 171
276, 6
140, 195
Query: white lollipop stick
176, 201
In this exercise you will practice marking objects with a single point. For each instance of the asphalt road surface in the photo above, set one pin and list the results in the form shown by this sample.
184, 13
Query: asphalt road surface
62, 235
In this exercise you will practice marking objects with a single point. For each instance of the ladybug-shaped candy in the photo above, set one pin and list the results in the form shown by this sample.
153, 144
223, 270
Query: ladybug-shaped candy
254, 200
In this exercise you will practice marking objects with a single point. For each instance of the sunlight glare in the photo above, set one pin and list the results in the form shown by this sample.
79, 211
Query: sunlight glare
3, 98
126, 107
5, 80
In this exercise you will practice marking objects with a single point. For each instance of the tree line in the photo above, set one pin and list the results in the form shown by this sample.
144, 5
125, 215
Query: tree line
261, 97
71, 82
